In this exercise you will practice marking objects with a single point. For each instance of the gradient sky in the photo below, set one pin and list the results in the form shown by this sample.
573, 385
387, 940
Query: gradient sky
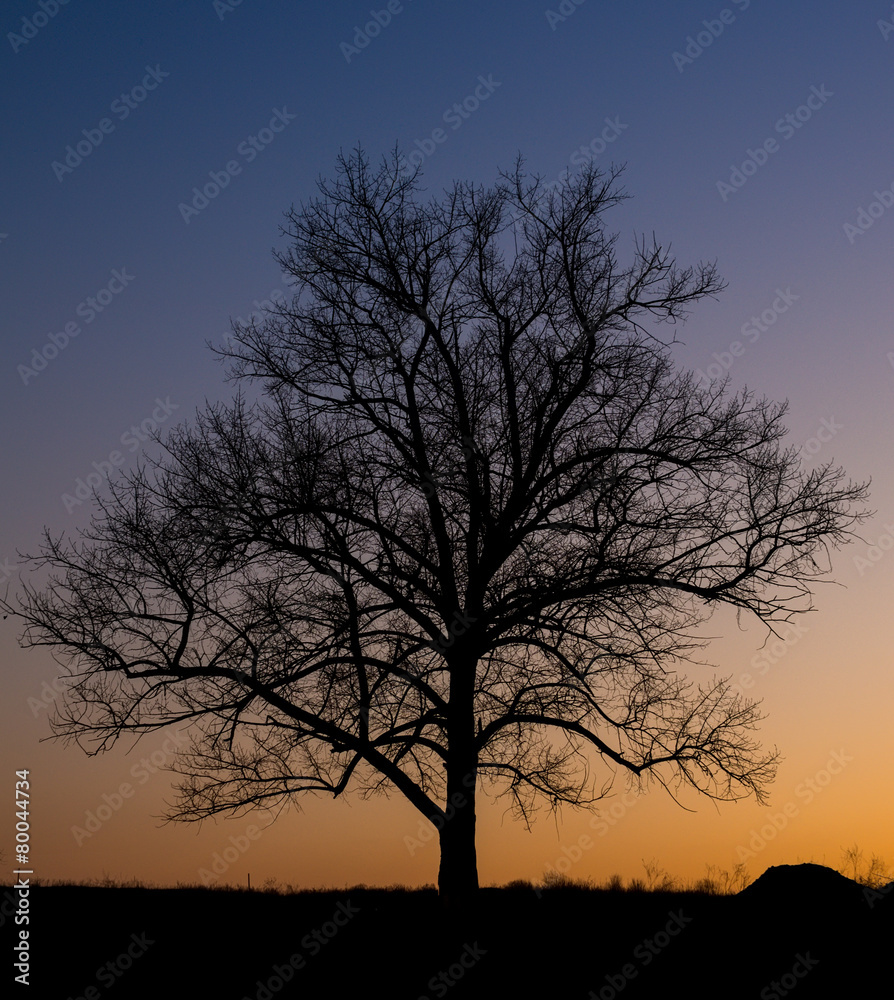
219, 73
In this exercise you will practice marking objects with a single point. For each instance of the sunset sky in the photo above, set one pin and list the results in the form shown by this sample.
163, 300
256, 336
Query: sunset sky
758, 134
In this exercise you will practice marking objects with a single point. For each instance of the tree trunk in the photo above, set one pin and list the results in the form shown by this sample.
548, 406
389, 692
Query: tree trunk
458, 874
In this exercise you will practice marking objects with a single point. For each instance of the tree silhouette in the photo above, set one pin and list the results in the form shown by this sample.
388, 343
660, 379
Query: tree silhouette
465, 538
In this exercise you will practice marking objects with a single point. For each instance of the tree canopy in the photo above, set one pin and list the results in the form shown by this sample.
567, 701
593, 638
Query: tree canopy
464, 539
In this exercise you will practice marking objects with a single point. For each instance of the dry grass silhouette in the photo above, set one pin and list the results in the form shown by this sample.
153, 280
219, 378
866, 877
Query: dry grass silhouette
557, 936
872, 872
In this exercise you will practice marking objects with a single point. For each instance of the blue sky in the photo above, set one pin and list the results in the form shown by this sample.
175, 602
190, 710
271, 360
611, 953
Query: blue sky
161, 97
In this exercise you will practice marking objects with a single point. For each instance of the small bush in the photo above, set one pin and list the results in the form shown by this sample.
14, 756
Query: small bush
558, 880
873, 874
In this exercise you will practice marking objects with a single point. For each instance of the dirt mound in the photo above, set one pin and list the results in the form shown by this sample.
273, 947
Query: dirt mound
804, 886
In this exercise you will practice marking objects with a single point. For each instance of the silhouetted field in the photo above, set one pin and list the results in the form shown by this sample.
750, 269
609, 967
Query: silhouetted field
808, 929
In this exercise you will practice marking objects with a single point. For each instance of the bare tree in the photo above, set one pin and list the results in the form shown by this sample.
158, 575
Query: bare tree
465, 538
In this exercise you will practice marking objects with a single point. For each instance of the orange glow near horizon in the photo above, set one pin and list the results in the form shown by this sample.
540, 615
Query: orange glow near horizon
804, 243
828, 796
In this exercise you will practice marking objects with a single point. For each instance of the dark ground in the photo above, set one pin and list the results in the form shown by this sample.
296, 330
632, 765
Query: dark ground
811, 930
